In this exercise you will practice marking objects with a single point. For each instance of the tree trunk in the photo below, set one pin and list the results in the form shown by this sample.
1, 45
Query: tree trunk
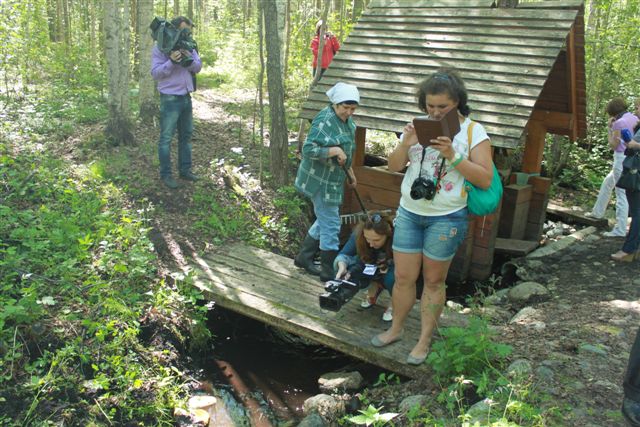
260, 90
116, 41
190, 9
176, 8
135, 37
66, 21
281, 6
357, 7
287, 42
278, 137
148, 98
59, 28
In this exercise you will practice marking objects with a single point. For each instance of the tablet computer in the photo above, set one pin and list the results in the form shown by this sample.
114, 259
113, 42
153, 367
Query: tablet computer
428, 128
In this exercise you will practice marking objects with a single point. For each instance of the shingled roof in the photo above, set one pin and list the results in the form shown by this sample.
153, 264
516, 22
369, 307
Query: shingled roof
512, 60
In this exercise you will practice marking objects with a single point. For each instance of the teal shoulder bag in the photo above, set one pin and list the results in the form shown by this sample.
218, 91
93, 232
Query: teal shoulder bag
482, 202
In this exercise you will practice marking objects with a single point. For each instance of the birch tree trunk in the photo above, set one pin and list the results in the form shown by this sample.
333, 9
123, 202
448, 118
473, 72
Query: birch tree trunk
278, 138
148, 97
116, 42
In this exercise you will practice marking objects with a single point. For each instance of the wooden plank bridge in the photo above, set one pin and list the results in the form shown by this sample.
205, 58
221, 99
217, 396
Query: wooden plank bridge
269, 288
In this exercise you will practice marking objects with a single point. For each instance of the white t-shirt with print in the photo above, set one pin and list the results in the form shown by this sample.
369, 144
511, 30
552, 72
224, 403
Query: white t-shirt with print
450, 195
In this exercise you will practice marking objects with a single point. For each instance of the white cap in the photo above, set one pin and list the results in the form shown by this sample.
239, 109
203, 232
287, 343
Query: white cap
342, 92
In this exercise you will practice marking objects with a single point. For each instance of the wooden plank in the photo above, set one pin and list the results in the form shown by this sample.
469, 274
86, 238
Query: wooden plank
508, 125
513, 115
427, 36
519, 13
475, 46
475, 85
552, 4
411, 70
375, 4
267, 287
573, 216
515, 247
399, 91
462, 19
431, 62
555, 34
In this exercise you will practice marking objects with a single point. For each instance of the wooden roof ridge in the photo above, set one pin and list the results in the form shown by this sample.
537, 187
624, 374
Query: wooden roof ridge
513, 61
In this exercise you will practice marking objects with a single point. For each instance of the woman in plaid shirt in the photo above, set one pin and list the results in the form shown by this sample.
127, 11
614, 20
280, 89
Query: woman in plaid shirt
329, 146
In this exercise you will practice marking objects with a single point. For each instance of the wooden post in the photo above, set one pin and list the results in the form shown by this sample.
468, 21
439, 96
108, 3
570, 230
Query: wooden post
534, 147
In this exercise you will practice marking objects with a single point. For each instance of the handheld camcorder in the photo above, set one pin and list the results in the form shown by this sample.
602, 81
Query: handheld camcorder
169, 39
337, 293
423, 188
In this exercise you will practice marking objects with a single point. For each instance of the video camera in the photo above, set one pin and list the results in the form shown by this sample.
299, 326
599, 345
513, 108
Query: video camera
337, 293
169, 39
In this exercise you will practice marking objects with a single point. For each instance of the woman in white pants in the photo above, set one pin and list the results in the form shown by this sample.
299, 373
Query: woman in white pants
619, 119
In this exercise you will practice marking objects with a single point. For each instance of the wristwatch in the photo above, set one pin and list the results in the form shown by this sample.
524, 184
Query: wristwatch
457, 158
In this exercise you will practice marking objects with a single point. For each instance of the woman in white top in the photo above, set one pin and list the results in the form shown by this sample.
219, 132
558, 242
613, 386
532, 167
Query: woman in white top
431, 222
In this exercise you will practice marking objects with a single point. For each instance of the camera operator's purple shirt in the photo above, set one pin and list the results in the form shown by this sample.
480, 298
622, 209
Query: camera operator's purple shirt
172, 78
627, 121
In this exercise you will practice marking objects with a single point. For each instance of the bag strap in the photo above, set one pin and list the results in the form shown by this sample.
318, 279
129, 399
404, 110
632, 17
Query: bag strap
463, 193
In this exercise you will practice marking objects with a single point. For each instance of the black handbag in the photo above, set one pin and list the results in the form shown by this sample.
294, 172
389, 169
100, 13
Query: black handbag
630, 178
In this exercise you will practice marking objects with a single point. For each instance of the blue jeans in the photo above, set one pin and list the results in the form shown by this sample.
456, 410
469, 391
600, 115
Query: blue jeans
326, 227
631, 382
175, 112
437, 237
632, 242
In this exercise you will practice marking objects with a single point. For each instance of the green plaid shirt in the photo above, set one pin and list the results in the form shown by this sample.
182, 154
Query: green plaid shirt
318, 172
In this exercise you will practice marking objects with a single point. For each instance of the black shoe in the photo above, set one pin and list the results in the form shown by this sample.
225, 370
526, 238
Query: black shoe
326, 267
631, 412
305, 256
189, 176
170, 182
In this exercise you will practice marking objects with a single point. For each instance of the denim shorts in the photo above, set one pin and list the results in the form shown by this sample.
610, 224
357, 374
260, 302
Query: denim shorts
437, 237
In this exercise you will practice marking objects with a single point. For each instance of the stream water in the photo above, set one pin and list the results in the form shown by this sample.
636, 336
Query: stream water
261, 373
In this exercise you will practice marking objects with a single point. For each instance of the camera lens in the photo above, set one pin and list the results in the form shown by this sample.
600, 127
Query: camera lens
422, 188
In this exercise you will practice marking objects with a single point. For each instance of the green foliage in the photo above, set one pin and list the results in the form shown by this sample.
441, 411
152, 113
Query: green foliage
386, 379
469, 351
372, 417
76, 269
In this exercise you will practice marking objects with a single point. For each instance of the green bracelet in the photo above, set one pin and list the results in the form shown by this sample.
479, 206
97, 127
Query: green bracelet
457, 162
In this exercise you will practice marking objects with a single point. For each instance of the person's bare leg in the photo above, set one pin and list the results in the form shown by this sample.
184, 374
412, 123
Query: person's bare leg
431, 304
407, 269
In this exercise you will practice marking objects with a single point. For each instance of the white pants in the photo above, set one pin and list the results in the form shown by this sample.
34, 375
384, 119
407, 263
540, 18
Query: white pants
609, 183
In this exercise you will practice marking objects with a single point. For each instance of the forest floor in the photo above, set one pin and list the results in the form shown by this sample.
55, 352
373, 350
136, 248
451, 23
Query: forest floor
577, 341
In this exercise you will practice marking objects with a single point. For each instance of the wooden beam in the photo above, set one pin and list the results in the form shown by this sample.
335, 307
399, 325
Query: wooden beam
554, 119
571, 79
361, 137
534, 147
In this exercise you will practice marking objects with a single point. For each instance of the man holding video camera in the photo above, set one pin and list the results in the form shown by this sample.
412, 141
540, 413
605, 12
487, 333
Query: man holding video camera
175, 73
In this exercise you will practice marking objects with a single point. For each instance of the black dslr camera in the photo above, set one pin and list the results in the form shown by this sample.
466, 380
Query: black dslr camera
423, 188
169, 39
337, 293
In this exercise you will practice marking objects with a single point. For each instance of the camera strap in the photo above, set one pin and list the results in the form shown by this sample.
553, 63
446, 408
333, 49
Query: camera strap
424, 151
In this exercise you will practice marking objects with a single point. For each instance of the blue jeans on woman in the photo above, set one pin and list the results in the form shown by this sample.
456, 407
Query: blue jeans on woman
632, 242
175, 113
326, 227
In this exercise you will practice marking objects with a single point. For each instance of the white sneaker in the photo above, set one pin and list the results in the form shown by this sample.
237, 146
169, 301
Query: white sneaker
614, 233
591, 215
388, 315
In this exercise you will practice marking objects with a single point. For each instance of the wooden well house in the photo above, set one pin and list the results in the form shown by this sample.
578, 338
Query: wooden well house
524, 70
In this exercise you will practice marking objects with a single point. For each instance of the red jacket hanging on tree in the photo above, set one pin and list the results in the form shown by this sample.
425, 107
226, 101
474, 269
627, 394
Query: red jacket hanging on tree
331, 46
